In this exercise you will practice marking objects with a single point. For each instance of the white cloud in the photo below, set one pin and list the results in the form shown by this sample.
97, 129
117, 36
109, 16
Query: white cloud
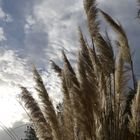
15, 71
60, 19
60, 23
49, 28
52, 82
30, 21
2, 14
11, 111
2, 35
5, 17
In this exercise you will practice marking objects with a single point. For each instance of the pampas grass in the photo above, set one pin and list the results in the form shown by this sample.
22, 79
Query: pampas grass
48, 109
42, 127
98, 103
134, 123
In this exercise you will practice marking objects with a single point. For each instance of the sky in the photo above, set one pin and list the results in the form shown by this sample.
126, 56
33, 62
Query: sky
35, 32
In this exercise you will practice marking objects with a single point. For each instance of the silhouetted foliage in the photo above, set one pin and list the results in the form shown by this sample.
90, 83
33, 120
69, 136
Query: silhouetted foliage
30, 134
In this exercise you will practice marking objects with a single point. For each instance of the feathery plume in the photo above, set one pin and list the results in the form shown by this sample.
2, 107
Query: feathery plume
67, 108
91, 12
68, 80
56, 68
123, 41
96, 100
42, 127
134, 124
48, 109
106, 54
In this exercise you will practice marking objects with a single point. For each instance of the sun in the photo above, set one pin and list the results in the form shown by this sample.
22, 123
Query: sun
10, 109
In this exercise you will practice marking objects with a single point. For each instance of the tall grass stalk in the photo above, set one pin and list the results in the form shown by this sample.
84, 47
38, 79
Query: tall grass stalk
98, 103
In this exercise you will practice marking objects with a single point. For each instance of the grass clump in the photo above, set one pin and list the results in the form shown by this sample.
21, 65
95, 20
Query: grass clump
98, 103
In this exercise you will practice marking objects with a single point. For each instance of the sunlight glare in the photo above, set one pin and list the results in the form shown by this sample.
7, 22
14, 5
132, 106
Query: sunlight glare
10, 110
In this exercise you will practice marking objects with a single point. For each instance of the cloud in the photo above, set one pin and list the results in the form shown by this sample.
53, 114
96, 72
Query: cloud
2, 36
30, 22
58, 25
39, 30
16, 131
15, 71
12, 67
4, 16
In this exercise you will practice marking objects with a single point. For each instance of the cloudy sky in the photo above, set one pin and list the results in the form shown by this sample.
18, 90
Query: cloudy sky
35, 31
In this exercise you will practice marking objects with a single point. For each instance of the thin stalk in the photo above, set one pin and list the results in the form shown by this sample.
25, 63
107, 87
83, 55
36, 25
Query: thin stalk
133, 75
114, 106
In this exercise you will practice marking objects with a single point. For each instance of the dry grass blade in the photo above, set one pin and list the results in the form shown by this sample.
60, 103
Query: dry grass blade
68, 80
85, 50
134, 124
92, 11
106, 54
123, 41
93, 24
56, 68
89, 93
117, 28
67, 108
48, 109
42, 127
86, 69
66, 61
138, 14
119, 75
97, 103
122, 76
